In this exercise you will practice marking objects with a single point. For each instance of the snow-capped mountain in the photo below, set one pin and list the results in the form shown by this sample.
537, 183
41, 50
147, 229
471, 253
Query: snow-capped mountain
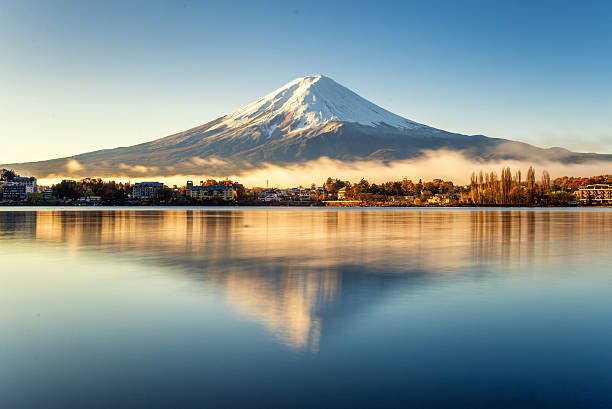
309, 102
307, 119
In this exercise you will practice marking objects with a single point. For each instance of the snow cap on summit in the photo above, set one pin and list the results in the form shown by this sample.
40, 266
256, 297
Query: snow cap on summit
309, 102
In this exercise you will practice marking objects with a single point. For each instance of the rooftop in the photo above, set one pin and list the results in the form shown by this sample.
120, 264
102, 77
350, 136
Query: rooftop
211, 187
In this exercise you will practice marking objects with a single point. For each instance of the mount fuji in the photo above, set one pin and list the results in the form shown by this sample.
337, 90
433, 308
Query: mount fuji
309, 118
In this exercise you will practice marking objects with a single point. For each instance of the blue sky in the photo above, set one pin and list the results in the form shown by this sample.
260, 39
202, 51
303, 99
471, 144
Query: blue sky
80, 76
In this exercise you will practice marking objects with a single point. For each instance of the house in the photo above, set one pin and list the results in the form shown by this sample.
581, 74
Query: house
269, 196
304, 195
403, 199
90, 199
342, 193
46, 193
283, 194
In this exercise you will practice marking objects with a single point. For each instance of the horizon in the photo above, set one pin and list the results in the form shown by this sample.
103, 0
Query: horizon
79, 83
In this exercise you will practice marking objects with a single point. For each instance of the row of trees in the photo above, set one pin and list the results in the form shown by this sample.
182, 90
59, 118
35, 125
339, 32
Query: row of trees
366, 191
485, 188
507, 188
511, 189
108, 191
117, 193
568, 183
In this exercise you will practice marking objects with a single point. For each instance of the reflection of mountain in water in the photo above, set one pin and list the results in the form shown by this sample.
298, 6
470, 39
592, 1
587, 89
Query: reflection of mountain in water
285, 301
301, 272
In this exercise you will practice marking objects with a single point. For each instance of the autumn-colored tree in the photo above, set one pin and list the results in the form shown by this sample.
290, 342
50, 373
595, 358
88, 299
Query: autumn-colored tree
489, 189
531, 183
333, 185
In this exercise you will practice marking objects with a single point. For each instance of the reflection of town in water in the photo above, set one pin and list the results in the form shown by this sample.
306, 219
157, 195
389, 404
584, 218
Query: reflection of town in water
298, 271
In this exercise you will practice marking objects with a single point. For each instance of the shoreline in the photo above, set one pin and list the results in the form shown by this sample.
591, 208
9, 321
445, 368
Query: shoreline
152, 206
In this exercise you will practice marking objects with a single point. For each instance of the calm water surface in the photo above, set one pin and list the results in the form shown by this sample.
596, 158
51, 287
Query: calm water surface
279, 308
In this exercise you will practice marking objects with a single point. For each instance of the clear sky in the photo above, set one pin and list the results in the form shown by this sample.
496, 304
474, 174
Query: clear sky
79, 76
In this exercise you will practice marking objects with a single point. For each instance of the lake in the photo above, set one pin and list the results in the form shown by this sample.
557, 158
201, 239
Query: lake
305, 308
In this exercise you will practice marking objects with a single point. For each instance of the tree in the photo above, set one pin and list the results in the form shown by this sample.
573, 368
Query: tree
113, 192
108, 191
545, 182
240, 190
362, 187
514, 197
474, 189
488, 188
506, 185
67, 189
164, 194
333, 185
425, 195
560, 198
7, 175
531, 184
35, 197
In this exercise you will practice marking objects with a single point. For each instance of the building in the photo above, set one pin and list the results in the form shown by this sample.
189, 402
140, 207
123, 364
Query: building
46, 193
203, 192
146, 190
13, 191
319, 193
305, 195
342, 194
90, 199
436, 200
267, 196
29, 183
599, 193
293, 194
403, 199
19, 188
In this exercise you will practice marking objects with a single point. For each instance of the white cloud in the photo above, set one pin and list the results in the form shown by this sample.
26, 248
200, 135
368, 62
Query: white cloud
447, 165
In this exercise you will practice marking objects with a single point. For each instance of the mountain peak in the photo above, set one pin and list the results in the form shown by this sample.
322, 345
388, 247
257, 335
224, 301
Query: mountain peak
314, 77
309, 102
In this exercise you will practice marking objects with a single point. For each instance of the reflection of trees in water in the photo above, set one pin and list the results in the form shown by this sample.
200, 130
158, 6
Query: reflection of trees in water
509, 236
392, 240
519, 236
296, 271
17, 224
